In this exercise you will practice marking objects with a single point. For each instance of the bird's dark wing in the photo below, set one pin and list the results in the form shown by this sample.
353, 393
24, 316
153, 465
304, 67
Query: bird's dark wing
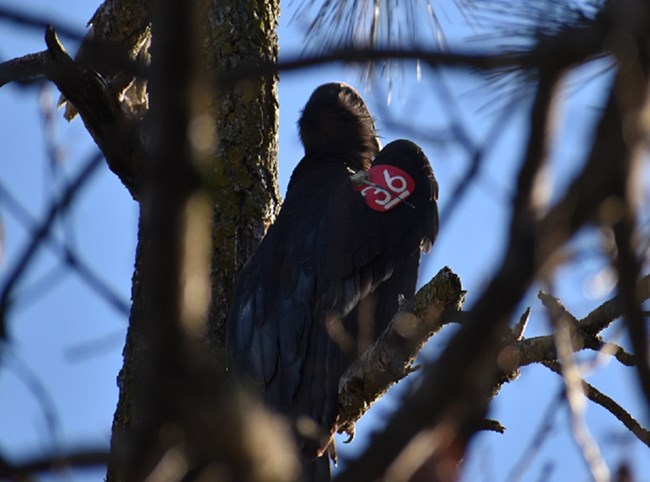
377, 310
378, 252
271, 317
291, 329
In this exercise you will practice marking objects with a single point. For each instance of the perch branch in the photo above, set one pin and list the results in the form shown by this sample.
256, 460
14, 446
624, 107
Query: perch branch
391, 358
446, 405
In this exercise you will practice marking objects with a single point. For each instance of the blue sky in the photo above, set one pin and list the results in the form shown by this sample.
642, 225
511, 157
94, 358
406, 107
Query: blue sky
70, 340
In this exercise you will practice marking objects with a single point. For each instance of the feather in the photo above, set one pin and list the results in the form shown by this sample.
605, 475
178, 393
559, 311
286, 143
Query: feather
328, 276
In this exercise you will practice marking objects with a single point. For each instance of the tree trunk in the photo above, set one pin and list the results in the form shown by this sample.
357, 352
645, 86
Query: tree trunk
241, 177
245, 166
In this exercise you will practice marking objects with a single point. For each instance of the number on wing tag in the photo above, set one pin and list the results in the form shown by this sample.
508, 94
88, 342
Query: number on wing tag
385, 187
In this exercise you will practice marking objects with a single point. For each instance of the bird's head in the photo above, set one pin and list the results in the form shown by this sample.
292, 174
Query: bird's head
336, 121
410, 158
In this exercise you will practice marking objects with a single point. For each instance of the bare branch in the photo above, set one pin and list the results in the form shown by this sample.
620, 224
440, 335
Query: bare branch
629, 269
541, 348
53, 463
391, 358
67, 255
610, 405
40, 234
565, 326
113, 130
598, 344
452, 399
25, 69
535, 444
22, 18
605, 314
119, 35
632, 86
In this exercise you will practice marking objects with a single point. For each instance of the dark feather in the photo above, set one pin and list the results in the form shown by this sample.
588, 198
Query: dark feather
327, 277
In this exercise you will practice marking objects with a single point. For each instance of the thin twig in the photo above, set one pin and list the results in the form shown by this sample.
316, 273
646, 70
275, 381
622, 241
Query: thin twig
448, 405
535, 445
71, 259
12, 14
39, 392
40, 234
52, 463
610, 405
564, 329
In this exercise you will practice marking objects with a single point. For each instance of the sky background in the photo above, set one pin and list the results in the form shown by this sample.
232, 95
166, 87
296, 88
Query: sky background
57, 378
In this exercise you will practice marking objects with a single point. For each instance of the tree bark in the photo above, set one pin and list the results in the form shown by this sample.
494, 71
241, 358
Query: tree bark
240, 174
244, 169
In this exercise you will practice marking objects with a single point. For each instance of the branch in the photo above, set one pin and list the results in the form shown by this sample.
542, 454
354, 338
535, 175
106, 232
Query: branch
602, 317
573, 45
40, 235
633, 98
119, 35
453, 394
25, 69
115, 133
542, 349
23, 18
67, 255
51, 463
610, 405
629, 268
564, 327
609, 348
391, 357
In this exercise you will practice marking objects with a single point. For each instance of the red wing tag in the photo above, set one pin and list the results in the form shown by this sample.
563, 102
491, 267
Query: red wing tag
385, 187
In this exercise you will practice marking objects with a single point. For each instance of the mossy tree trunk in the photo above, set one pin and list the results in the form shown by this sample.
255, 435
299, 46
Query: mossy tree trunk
239, 173
244, 177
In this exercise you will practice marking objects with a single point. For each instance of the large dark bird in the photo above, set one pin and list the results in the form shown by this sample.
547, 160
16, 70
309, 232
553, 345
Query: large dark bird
328, 276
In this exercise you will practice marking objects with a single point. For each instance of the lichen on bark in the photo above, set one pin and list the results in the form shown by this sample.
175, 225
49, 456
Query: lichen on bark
241, 175
244, 168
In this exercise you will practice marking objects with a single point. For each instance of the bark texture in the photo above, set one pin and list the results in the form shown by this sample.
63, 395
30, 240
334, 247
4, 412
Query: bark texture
119, 34
244, 171
239, 173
